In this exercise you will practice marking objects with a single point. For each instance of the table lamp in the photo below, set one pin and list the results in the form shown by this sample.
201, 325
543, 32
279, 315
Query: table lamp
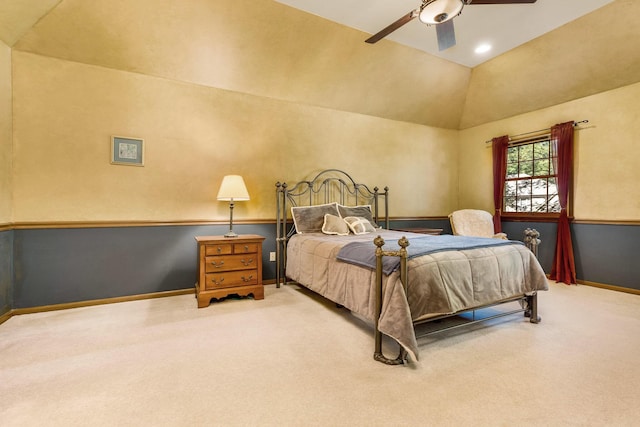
232, 189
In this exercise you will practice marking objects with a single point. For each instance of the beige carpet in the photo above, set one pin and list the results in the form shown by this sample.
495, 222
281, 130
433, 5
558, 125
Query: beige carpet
294, 359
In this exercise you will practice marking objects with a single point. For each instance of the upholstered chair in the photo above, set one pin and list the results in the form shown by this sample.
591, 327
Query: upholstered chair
473, 222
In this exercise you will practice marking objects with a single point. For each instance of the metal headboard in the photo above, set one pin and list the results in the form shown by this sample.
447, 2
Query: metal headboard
330, 185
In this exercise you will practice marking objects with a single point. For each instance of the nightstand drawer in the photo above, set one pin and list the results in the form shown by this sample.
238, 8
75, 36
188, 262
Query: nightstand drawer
221, 249
230, 262
230, 279
245, 248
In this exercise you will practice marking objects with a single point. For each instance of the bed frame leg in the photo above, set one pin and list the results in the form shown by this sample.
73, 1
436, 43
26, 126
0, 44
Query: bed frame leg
380, 357
532, 309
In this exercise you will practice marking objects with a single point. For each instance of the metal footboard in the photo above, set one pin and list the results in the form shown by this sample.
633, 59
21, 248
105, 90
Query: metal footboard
529, 304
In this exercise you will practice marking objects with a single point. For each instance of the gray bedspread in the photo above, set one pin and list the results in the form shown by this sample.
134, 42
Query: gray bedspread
441, 282
364, 253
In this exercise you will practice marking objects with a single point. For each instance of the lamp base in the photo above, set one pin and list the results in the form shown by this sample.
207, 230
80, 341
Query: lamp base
231, 234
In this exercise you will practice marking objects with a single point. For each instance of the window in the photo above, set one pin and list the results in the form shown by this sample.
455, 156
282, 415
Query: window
530, 185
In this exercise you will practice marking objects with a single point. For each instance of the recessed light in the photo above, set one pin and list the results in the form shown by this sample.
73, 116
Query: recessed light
483, 48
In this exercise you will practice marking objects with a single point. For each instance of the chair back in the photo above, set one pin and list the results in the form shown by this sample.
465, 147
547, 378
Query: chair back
472, 222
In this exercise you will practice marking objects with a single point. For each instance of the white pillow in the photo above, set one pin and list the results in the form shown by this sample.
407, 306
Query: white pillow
359, 225
334, 225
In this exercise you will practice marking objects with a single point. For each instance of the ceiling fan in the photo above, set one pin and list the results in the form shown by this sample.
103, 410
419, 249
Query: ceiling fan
439, 13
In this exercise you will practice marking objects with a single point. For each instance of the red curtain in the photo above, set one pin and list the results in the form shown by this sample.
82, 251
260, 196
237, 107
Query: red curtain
500, 145
563, 269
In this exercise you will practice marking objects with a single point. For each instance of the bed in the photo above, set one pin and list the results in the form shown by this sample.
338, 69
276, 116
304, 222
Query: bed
395, 280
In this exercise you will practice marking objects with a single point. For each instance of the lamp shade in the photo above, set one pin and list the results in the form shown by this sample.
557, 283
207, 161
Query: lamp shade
233, 188
440, 11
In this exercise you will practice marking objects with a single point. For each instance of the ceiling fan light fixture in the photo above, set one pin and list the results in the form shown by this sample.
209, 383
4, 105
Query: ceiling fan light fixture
437, 11
482, 48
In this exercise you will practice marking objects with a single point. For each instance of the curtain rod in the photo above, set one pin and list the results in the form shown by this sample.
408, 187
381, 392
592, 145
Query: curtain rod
536, 131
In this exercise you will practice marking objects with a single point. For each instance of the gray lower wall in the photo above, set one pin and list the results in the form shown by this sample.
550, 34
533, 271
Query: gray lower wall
56, 266
6, 271
607, 254
604, 253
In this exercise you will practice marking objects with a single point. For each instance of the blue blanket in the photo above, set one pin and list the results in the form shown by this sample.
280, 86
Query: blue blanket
364, 253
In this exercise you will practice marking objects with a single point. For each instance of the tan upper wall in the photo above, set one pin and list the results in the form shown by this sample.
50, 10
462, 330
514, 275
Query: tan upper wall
6, 148
606, 154
66, 112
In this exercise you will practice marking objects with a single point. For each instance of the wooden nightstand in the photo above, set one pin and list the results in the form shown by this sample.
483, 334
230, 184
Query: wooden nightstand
229, 265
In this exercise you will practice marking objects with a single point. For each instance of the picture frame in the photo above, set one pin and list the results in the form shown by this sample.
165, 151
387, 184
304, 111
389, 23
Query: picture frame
127, 151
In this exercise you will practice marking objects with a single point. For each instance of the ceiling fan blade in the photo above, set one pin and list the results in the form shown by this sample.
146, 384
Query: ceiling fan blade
391, 28
446, 35
501, 1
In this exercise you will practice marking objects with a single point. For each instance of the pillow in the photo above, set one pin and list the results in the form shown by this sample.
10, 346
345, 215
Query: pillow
359, 225
363, 211
309, 219
334, 225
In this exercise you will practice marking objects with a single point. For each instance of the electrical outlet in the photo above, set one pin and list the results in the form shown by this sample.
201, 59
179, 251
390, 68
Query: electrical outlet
272, 256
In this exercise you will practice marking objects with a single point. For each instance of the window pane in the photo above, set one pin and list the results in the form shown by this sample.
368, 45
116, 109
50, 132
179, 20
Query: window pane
541, 150
541, 167
553, 188
509, 204
554, 203
524, 187
524, 204
512, 170
539, 187
526, 168
512, 155
539, 204
526, 152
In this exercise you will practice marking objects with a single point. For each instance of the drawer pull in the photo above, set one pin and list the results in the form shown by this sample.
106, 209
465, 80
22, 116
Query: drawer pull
217, 282
246, 262
217, 265
247, 279
246, 248
219, 249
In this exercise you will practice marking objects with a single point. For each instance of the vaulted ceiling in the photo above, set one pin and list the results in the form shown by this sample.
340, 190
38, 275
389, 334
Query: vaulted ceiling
280, 52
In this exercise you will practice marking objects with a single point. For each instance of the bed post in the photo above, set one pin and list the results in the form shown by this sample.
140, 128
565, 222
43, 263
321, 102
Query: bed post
402, 253
386, 207
376, 202
532, 308
281, 231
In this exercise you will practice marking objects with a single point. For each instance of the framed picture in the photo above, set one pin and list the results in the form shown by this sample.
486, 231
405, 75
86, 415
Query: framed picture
127, 151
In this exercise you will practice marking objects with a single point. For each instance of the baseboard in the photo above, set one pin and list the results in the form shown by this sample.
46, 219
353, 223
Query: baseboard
609, 287
5, 316
88, 303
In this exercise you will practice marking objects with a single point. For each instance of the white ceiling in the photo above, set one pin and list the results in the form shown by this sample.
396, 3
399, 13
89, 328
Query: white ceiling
503, 26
